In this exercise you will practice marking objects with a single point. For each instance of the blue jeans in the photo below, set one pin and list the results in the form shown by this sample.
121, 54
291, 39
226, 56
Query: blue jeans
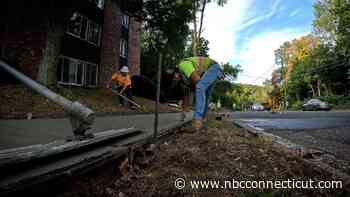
204, 88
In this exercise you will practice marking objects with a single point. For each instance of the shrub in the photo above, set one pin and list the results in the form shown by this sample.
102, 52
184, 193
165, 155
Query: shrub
296, 105
336, 99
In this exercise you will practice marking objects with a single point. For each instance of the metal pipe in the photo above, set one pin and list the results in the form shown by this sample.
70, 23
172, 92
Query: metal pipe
83, 116
156, 113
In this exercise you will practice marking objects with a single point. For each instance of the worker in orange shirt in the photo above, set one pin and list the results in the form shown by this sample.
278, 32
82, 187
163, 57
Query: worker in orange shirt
123, 85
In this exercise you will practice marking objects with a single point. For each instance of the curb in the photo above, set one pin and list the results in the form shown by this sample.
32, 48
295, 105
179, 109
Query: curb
295, 150
65, 115
79, 163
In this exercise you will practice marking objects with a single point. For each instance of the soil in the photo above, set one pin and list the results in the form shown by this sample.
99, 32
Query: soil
221, 152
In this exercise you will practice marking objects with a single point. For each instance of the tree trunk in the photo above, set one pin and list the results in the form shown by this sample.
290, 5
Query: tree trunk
194, 44
201, 20
318, 87
50, 54
329, 87
326, 89
313, 90
194, 33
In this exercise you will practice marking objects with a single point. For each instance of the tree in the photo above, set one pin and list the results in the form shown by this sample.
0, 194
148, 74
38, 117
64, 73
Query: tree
199, 9
231, 72
223, 88
165, 31
324, 24
202, 48
332, 26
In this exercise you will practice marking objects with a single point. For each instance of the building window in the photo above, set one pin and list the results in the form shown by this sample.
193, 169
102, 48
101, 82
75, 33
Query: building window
98, 3
93, 32
84, 28
71, 72
91, 75
123, 48
125, 20
75, 24
76, 72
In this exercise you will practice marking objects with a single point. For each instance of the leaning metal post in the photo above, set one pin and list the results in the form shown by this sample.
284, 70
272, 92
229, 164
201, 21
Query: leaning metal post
81, 117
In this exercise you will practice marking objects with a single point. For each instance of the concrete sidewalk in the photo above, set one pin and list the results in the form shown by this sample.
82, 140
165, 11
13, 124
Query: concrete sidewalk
17, 133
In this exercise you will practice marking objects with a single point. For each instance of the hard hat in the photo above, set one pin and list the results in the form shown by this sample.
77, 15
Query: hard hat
124, 69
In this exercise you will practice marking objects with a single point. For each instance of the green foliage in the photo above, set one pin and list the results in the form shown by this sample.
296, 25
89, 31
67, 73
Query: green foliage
165, 31
202, 48
231, 72
222, 89
332, 24
297, 105
320, 70
239, 95
336, 99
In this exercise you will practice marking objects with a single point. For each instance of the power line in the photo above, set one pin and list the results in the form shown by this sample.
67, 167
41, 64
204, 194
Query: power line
325, 67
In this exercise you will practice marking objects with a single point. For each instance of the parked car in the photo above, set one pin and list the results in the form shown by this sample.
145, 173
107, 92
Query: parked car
315, 104
257, 107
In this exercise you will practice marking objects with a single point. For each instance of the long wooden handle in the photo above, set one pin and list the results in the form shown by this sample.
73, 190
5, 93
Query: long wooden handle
126, 98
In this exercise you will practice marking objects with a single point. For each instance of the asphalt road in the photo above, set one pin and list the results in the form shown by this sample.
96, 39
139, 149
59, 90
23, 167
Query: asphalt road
295, 120
328, 132
17, 133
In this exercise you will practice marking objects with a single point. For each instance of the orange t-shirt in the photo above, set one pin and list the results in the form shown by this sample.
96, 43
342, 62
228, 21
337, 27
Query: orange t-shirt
121, 80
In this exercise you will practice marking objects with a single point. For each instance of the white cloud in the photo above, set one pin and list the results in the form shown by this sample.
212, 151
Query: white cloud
276, 7
224, 25
257, 54
220, 25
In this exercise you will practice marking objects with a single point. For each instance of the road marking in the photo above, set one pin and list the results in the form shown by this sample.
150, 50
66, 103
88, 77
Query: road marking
256, 128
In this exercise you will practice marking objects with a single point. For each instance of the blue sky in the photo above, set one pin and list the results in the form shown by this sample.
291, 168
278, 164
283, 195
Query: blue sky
247, 32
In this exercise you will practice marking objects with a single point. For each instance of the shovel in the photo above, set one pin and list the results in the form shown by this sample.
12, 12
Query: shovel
126, 98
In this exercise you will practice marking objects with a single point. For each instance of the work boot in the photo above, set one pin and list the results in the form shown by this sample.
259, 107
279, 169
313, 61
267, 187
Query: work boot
197, 124
205, 119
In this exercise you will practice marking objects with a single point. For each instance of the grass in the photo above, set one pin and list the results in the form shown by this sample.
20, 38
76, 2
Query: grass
17, 101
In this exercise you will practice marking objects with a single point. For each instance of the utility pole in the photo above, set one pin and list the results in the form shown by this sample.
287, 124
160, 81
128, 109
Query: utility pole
156, 113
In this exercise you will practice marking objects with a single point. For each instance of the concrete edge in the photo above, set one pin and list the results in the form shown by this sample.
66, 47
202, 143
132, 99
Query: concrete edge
65, 115
124, 149
294, 149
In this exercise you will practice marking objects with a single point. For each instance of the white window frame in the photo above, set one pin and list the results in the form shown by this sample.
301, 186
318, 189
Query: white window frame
88, 21
84, 65
123, 48
85, 69
81, 26
76, 72
125, 20
100, 3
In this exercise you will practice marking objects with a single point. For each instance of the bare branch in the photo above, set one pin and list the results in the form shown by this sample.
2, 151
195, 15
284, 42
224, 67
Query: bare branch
202, 17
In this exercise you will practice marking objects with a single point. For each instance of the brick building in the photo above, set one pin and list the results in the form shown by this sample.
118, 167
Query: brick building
96, 40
